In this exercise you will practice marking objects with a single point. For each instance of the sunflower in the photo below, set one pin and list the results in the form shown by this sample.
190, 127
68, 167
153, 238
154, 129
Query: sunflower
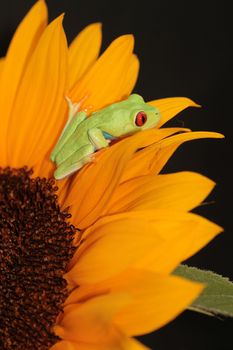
86, 262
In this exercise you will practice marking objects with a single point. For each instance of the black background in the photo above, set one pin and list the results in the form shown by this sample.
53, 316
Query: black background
185, 49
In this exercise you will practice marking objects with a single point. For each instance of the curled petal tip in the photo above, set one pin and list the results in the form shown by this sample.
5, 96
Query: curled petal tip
217, 135
126, 39
189, 102
41, 2
130, 38
98, 24
60, 18
196, 104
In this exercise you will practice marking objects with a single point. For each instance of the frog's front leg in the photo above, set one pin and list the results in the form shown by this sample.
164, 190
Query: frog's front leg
79, 158
97, 138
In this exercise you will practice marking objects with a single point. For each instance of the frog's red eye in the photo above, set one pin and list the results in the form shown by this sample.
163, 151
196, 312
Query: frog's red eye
141, 118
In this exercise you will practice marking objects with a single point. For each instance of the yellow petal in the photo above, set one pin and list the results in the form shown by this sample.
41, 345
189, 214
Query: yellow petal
95, 259
106, 172
21, 48
65, 345
40, 107
122, 343
182, 191
169, 237
184, 234
84, 51
68, 345
153, 158
102, 84
132, 344
118, 164
169, 107
2, 61
91, 322
169, 146
89, 325
130, 76
143, 160
155, 299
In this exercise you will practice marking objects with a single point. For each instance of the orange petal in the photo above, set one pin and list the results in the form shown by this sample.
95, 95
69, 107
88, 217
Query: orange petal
2, 61
184, 235
102, 84
21, 48
84, 51
40, 106
132, 344
65, 345
122, 233
118, 163
153, 158
154, 299
88, 326
167, 240
91, 322
105, 173
122, 343
142, 161
168, 191
169, 146
169, 107
130, 76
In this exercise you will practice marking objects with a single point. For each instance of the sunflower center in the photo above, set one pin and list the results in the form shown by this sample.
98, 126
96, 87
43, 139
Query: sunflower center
35, 247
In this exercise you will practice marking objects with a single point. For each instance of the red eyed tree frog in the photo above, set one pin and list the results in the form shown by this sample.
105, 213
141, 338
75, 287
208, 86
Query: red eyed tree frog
83, 136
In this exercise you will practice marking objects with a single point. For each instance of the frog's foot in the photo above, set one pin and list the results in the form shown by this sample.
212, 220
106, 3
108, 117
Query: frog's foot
75, 162
73, 108
62, 173
92, 158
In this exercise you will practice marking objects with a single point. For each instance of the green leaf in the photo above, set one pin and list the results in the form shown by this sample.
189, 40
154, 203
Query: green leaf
217, 297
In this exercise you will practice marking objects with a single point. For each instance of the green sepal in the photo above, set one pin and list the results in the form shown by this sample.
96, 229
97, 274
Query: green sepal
217, 297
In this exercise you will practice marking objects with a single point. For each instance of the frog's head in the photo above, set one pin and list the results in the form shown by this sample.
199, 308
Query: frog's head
142, 115
130, 116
